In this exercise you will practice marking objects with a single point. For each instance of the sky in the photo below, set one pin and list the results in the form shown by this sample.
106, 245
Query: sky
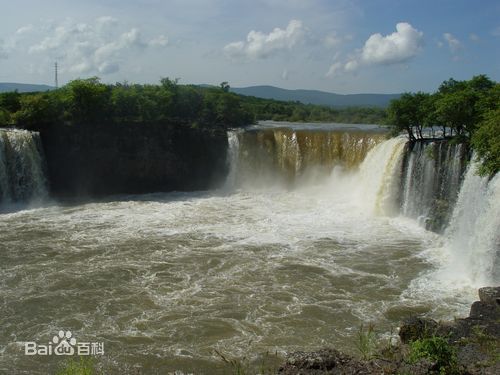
341, 46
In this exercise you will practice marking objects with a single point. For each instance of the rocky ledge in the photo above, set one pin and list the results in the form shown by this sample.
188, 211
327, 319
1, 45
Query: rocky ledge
463, 346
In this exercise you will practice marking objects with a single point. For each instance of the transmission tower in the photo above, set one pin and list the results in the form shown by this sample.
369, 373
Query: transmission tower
55, 71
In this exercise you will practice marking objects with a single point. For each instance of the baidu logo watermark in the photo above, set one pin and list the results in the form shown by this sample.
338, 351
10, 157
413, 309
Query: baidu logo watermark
64, 344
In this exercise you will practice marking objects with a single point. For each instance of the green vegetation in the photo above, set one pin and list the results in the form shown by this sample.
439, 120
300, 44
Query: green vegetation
82, 366
435, 349
88, 101
269, 109
367, 341
465, 111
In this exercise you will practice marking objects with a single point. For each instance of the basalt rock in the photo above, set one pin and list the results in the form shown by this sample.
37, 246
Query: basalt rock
134, 157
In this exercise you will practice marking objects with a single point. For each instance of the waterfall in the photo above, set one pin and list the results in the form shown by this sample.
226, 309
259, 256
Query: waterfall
266, 157
379, 176
232, 158
22, 176
431, 179
473, 236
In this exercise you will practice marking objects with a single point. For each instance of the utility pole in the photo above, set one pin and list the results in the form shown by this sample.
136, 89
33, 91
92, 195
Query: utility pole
57, 83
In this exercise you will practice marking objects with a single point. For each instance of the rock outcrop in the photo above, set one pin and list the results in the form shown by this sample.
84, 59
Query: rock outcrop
116, 158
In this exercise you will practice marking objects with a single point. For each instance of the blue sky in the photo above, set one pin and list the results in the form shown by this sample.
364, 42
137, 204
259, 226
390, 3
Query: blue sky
343, 46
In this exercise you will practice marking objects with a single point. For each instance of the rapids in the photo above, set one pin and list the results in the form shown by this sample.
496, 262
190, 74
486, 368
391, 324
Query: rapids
302, 244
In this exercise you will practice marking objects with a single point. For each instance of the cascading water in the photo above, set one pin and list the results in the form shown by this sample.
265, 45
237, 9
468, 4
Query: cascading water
431, 179
22, 176
380, 174
265, 157
473, 236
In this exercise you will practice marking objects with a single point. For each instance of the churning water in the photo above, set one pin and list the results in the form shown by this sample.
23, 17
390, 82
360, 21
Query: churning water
165, 279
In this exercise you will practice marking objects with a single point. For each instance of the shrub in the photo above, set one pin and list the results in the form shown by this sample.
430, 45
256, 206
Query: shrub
435, 349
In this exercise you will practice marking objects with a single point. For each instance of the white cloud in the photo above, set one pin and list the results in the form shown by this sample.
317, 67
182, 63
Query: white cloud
351, 66
96, 47
334, 68
396, 48
259, 45
453, 43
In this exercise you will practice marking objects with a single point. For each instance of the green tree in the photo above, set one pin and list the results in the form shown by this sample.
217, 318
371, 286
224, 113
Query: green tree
10, 101
88, 100
408, 114
460, 105
37, 111
486, 143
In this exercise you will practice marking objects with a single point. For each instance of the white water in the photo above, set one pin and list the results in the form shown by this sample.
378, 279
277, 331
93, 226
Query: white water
431, 181
473, 237
163, 279
22, 176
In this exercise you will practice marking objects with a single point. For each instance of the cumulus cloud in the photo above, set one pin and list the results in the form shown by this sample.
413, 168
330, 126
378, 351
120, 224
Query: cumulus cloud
396, 48
259, 45
96, 47
453, 43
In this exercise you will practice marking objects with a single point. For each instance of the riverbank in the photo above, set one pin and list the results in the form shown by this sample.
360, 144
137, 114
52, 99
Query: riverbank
463, 346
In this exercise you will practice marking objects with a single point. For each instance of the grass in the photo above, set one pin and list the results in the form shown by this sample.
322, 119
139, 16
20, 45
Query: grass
366, 341
82, 366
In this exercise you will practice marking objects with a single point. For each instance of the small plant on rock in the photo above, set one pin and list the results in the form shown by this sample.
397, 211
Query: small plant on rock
437, 350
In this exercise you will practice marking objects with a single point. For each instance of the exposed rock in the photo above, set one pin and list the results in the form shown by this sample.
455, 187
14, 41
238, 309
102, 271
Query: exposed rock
490, 295
415, 328
116, 158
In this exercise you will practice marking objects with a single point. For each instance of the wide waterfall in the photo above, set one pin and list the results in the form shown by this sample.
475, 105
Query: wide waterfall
285, 156
425, 181
22, 167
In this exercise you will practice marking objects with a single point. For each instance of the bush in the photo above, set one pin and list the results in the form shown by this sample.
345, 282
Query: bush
435, 349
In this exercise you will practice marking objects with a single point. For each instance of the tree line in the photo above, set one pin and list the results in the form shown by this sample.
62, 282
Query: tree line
86, 101
465, 111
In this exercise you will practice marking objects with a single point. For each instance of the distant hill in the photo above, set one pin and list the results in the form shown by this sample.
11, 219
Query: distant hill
23, 87
318, 97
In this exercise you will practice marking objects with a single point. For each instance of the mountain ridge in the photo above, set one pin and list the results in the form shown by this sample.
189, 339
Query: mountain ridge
23, 87
317, 97
266, 92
